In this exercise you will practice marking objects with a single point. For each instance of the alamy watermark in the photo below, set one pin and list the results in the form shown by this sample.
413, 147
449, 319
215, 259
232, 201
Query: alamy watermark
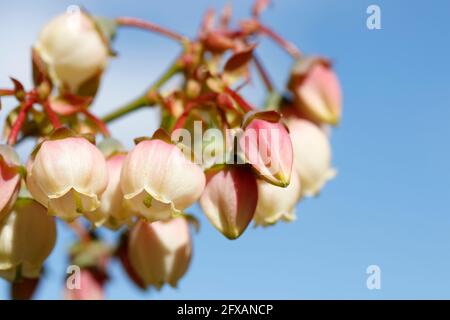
73, 281
373, 281
260, 147
373, 21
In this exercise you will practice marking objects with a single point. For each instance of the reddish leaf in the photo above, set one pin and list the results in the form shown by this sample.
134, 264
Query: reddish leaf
18, 86
239, 59
161, 134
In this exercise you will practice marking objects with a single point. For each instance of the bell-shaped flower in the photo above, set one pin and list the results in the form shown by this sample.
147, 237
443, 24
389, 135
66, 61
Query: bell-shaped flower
124, 257
267, 147
112, 213
27, 237
158, 180
9, 178
229, 199
317, 91
277, 203
312, 152
73, 49
68, 176
160, 252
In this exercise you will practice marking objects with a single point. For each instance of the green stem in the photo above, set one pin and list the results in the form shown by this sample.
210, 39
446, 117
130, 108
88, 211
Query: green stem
125, 109
146, 100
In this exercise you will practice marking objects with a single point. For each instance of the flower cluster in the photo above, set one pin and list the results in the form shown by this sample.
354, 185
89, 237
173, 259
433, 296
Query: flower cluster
241, 163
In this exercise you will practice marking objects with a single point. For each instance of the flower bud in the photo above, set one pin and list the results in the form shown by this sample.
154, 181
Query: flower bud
158, 180
27, 236
160, 252
68, 176
73, 50
9, 179
91, 287
268, 148
316, 90
229, 199
124, 257
312, 152
277, 203
113, 212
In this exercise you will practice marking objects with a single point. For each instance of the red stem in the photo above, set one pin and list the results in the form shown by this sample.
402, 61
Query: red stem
99, 123
52, 117
246, 81
286, 45
239, 99
182, 119
142, 24
6, 92
25, 107
263, 73
190, 105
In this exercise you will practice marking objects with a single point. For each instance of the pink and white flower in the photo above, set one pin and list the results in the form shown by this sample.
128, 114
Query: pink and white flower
158, 181
9, 179
90, 287
317, 90
27, 237
312, 152
277, 203
68, 176
113, 213
73, 50
160, 252
229, 199
267, 147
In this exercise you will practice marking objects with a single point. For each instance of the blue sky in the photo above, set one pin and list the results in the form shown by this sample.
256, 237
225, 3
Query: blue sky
389, 204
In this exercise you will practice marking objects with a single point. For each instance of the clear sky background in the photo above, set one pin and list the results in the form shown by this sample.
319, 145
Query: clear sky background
389, 204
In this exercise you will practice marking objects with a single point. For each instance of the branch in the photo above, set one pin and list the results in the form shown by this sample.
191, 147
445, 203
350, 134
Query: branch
52, 117
25, 107
98, 122
263, 73
142, 24
240, 100
286, 45
6, 92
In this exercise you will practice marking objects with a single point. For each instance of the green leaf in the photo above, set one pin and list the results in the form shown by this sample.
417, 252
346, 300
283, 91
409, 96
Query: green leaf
240, 59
